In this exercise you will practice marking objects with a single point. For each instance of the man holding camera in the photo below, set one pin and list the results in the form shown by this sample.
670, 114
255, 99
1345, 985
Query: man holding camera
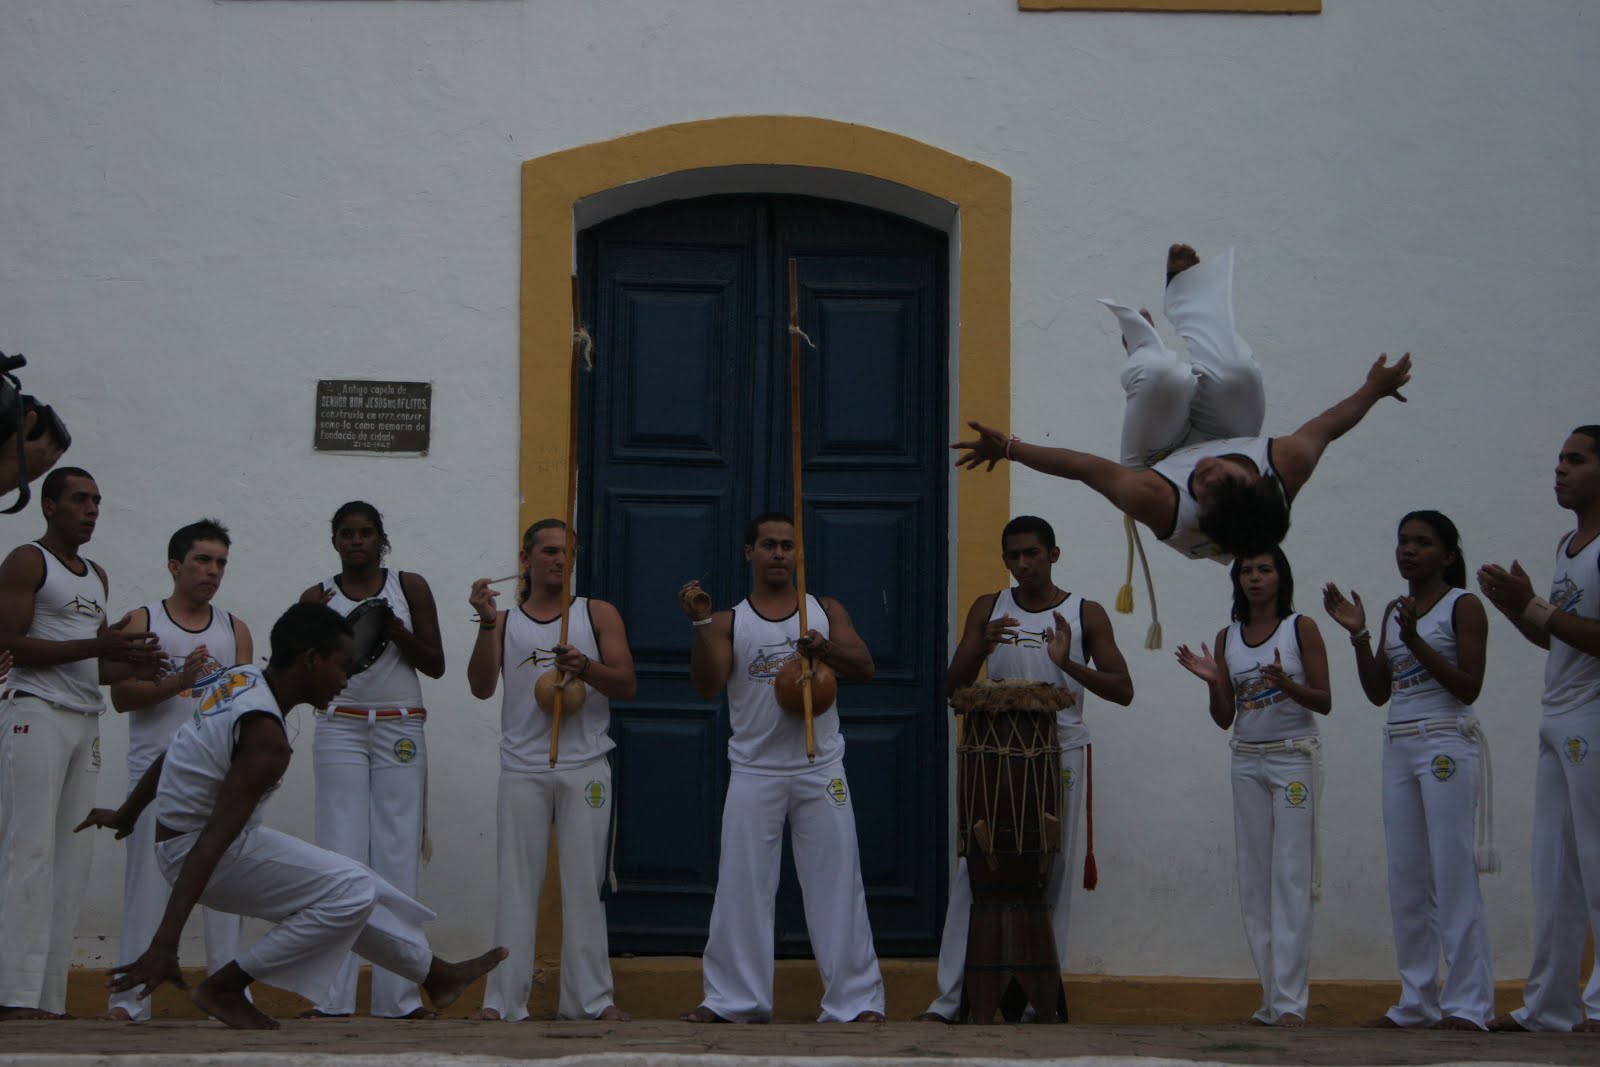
53, 622
32, 435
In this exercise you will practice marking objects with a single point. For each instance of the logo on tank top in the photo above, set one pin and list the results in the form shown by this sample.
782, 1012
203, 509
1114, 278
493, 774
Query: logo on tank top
541, 658
1443, 767
1406, 673
1565, 594
1296, 793
89, 609
1576, 748
769, 660
1028, 639
405, 750
594, 795
213, 695
837, 792
1252, 692
207, 668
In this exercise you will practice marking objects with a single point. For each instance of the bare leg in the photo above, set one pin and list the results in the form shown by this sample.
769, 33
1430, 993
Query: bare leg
447, 981
222, 997
1179, 259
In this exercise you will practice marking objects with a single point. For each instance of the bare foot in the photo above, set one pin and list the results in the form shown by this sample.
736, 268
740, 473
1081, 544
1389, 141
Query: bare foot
1179, 259
702, 1014
1382, 1022
614, 1014
115, 1015
318, 1013
1506, 1024
1588, 1026
1289, 1020
870, 1017
485, 1015
1454, 1022
419, 1014
231, 1007
931, 1017
447, 981
12, 1014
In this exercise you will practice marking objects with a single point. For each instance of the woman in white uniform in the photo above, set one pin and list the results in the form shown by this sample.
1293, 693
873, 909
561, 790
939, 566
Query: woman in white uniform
1429, 669
1267, 678
370, 757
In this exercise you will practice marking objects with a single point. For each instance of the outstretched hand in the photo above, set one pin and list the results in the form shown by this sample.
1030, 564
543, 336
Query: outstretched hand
1508, 590
988, 447
1202, 666
1351, 614
149, 972
1387, 380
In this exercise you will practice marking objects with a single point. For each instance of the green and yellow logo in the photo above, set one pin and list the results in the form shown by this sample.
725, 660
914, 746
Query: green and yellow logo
1444, 768
1067, 778
1576, 748
594, 795
405, 750
1296, 793
837, 793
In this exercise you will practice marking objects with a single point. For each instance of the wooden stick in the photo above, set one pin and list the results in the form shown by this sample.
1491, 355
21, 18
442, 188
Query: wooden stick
799, 503
507, 578
570, 514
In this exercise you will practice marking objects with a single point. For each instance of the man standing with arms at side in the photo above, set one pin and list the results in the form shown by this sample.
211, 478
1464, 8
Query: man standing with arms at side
1039, 632
53, 622
199, 641
1566, 801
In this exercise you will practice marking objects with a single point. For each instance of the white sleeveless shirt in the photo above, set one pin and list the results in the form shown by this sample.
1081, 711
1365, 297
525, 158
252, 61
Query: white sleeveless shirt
1571, 678
527, 650
766, 739
1178, 468
1414, 693
1262, 713
66, 607
391, 682
202, 750
150, 729
1027, 659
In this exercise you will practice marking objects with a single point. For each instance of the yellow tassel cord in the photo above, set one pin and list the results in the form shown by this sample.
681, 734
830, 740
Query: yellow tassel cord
1125, 594
1152, 637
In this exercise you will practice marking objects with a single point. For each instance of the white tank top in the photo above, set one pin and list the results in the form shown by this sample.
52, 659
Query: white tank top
391, 682
1571, 678
202, 750
1178, 468
66, 607
1414, 693
1027, 658
527, 651
150, 729
1261, 712
766, 739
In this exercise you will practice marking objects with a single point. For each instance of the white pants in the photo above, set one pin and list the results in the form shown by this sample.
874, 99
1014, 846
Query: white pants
1273, 818
144, 901
370, 775
324, 904
577, 801
1063, 874
1216, 393
738, 963
1566, 871
1430, 805
49, 765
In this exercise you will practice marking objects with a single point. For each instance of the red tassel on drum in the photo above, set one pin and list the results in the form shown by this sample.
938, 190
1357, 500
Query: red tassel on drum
1091, 870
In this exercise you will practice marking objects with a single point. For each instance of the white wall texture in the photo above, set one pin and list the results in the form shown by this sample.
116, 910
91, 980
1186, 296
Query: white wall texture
206, 205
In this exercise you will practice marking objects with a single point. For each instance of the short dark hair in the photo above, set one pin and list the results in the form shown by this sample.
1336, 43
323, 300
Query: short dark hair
1592, 432
1247, 518
306, 628
1030, 524
1455, 572
1285, 602
524, 584
366, 511
752, 529
179, 544
55, 483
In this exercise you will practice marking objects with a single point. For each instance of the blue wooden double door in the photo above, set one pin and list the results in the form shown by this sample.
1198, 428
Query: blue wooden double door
686, 435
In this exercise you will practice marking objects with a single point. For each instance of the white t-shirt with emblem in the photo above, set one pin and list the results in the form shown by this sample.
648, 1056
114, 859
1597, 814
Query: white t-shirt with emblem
1414, 693
766, 739
202, 750
67, 606
1263, 713
527, 651
1571, 677
1026, 659
150, 729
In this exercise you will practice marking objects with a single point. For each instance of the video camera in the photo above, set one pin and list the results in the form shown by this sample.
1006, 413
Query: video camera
14, 408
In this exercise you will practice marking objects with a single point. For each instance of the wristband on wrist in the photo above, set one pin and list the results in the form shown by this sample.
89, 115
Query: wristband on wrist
701, 622
1012, 440
1361, 636
1537, 613
484, 626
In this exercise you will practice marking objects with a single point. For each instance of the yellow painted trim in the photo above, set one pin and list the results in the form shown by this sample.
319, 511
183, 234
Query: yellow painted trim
1238, 7
552, 185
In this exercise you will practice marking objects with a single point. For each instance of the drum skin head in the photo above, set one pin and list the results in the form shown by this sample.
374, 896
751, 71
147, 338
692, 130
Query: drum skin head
572, 697
824, 687
370, 621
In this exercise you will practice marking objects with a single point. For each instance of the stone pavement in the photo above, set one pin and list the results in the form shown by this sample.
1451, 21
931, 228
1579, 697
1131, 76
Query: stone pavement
349, 1042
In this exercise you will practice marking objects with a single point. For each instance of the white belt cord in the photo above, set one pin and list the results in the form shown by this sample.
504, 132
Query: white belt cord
1311, 747
1485, 855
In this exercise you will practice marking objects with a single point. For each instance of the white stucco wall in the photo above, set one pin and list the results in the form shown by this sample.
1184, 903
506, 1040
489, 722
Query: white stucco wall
206, 206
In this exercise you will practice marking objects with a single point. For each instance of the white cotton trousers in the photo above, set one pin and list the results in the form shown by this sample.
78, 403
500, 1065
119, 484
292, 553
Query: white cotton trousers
49, 766
1566, 872
1430, 806
144, 902
324, 904
577, 802
1274, 804
1216, 393
1064, 873
370, 777
738, 964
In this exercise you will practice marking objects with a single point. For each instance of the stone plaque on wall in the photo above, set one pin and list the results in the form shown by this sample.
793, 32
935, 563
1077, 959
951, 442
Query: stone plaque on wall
363, 416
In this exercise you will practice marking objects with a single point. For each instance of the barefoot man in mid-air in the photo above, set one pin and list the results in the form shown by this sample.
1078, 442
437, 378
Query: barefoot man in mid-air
1194, 468
209, 790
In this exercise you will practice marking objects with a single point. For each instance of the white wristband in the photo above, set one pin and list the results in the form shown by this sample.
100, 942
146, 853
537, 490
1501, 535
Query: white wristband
701, 622
1537, 613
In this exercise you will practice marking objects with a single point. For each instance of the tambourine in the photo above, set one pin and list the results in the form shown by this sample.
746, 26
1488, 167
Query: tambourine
370, 621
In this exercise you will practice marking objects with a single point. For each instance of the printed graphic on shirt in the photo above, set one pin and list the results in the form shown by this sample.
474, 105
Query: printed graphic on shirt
175, 666
1407, 673
541, 657
1252, 692
89, 609
769, 660
213, 695
1443, 767
1566, 594
1028, 639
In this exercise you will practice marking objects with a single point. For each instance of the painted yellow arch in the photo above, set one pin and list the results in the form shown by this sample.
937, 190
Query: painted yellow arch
553, 185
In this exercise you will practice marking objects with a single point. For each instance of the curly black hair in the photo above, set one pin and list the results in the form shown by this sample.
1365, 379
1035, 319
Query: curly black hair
1247, 518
